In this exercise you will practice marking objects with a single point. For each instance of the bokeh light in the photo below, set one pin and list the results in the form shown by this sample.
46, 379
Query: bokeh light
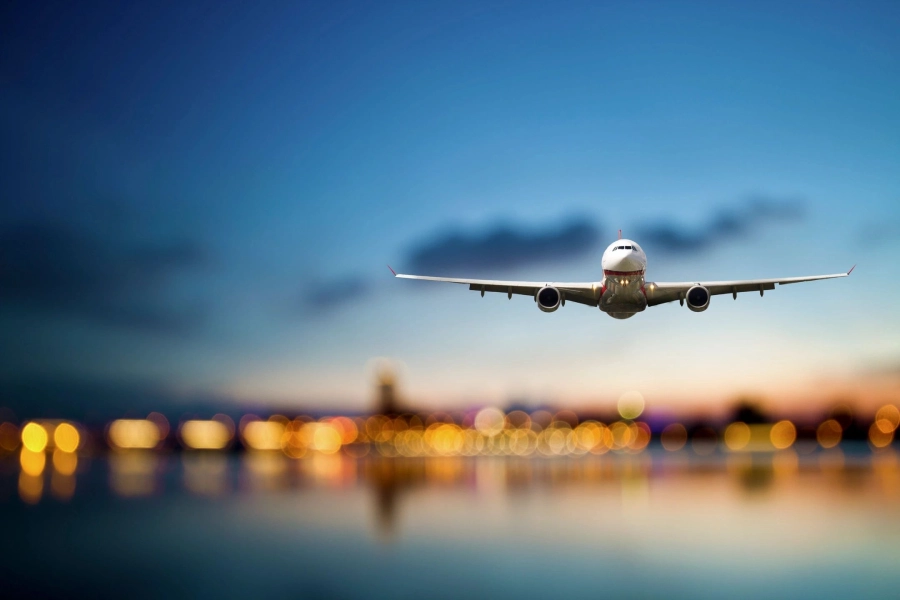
673, 437
829, 433
134, 433
878, 437
34, 437
66, 437
640, 436
9, 437
783, 435
325, 438
490, 421
737, 436
887, 418
263, 435
205, 435
631, 405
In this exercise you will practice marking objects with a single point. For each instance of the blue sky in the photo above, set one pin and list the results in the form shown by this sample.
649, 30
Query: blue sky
186, 186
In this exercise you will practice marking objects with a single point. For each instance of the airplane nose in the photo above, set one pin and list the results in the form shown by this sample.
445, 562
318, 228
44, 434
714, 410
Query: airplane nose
628, 261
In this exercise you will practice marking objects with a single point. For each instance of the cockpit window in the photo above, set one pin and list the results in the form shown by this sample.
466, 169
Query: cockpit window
628, 247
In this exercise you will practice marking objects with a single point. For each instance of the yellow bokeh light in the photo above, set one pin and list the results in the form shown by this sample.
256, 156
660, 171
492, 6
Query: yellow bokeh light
673, 437
326, 439
9, 437
64, 463
523, 442
878, 437
737, 436
205, 435
134, 433
32, 463
631, 404
887, 418
490, 421
829, 434
348, 429
589, 434
34, 437
66, 437
621, 435
263, 435
783, 434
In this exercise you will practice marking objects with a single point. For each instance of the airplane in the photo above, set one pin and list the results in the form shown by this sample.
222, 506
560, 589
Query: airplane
623, 292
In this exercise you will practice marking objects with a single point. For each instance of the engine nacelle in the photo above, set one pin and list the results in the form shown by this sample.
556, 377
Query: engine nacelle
548, 299
698, 298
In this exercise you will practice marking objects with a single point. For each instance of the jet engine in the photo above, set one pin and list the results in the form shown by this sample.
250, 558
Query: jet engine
548, 299
698, 298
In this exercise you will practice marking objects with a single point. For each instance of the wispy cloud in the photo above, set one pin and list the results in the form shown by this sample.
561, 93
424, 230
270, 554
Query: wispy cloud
502, 247
324, 296
724, 225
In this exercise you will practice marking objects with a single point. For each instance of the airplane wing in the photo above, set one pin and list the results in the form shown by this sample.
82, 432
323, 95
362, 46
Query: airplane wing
582, 293
660, 293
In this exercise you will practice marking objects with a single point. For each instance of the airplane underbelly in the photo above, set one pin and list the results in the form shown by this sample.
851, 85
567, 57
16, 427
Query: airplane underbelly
623, 294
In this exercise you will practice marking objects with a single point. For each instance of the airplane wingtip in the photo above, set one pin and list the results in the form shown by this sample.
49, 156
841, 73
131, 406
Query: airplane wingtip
392, 270
851, 269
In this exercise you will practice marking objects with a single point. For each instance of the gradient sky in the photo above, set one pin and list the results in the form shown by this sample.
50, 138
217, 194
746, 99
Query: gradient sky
200, 198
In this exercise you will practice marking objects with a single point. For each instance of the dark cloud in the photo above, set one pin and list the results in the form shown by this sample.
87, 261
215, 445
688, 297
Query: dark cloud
327, 295
726, 224
502, 247
54, 267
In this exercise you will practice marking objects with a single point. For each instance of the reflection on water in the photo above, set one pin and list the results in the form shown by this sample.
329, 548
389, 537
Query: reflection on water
678, 524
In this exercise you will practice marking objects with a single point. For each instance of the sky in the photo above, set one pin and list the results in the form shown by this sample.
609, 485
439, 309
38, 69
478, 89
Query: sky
200, 201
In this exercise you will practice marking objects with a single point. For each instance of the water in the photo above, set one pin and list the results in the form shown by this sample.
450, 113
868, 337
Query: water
780, 525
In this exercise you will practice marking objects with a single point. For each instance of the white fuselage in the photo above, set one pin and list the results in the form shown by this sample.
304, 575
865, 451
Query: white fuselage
622, 294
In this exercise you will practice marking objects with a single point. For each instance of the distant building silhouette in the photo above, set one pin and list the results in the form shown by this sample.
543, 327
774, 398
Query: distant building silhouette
387, 392
749, 411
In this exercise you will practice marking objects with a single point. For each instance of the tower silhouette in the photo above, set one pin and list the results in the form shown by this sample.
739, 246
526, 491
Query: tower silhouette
387, 392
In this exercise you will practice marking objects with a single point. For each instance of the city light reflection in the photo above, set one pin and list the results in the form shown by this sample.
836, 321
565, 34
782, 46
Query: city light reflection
133, 473
64, 462
32, 463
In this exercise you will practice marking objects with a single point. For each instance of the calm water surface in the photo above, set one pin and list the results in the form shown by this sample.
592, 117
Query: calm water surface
783, 525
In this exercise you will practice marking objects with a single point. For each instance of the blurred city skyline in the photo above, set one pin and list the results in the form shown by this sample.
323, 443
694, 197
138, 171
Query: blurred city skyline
199, 202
